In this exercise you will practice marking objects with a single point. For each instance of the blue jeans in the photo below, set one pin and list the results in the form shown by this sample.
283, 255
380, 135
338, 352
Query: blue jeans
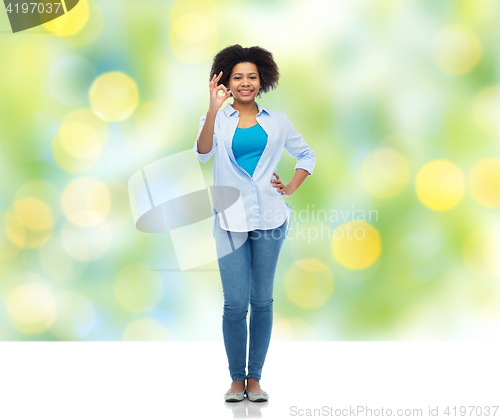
247, 264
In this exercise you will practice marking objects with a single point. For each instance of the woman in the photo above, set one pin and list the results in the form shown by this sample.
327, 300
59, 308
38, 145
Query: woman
252, 218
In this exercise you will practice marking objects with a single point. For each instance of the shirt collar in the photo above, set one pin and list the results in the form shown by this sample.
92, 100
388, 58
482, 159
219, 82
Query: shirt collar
229, 110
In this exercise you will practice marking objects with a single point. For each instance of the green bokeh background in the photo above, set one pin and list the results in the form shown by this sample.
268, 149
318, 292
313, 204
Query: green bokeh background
355, 76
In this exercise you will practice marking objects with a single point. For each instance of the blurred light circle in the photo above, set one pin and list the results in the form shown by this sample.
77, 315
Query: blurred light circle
86, 244
308, 283
15, 231
192, 37
91, 31
137, 288
43, 191
484, 182
86, 202
78, 143
440, 185
384, 172
145, 329
356, 244
75, 316
31, 308
33, 214
456, 50
114, 96
486, 110
71, 22
20, 220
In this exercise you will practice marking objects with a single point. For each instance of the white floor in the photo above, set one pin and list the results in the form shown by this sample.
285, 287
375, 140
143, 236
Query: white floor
187, 380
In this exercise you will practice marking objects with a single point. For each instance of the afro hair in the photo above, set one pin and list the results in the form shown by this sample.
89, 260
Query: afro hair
227, 58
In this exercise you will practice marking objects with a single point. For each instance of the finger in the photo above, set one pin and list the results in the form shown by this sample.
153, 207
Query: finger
226, 91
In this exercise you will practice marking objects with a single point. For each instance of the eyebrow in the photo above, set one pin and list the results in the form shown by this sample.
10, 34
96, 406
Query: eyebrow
242, 73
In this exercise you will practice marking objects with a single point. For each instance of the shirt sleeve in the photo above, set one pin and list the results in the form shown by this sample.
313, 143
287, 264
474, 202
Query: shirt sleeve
299, 149
204, 157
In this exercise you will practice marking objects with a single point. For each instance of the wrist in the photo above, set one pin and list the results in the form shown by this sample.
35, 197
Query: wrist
211, 112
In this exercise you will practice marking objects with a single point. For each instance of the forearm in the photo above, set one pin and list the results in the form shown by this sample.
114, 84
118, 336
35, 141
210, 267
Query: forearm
298, 178
205, 141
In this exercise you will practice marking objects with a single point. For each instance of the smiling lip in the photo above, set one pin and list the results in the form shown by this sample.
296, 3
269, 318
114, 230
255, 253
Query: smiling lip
246, 93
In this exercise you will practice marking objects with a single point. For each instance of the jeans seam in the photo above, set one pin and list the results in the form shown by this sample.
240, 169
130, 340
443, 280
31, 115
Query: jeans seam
250, 355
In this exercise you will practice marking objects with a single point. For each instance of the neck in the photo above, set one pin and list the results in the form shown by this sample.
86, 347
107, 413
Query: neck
245, 109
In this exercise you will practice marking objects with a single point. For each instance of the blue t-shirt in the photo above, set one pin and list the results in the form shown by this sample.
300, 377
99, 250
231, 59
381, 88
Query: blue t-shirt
248, 145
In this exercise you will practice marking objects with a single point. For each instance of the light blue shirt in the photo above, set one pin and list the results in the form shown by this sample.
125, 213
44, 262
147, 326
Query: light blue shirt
259, 205
248, 145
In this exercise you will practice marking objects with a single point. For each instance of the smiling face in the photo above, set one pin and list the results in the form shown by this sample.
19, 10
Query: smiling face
244, 77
